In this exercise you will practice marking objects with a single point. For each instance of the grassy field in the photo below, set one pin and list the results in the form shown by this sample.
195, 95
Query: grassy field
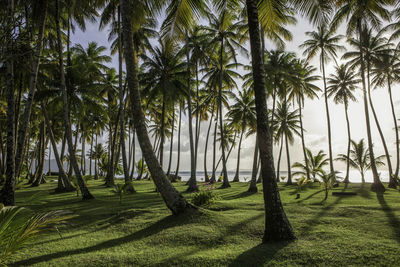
351, 230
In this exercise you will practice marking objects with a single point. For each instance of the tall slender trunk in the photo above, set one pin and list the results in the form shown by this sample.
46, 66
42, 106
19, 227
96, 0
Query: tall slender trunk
192, 184
236, 178
206, 178
396, 129
289, 180
173, 199
91, 150
377, 185
8, 191
328, 119
83, 153
179, 140
66, 184
32, 88
253, 182
96, 172
133, 153
279, 160
198, 119
39, 173
172, 141
162, 137
378, 126
346, 180
225, 182
84, 190
302, 139
277, 226
215, 147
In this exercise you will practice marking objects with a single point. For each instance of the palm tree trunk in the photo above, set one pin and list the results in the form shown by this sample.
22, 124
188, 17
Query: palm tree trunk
179, 141
289, 180
91, 149
66, 184
277, 226
253, 183
279, 161
378, 126
302, 139
83, 153
346, 180
84, 190
32, 88
96, 172
133, 144
8, 191
236, 178
396, 173
198, 120
192, 184
206, 178
328, 120
225, 182
377, 185
39, 174
173, 199
162, 140
172, 142
212, 180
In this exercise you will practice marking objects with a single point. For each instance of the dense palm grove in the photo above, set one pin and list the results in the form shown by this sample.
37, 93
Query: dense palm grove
56, 94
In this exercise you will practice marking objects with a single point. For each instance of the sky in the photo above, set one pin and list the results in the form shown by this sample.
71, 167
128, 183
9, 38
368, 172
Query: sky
314, 116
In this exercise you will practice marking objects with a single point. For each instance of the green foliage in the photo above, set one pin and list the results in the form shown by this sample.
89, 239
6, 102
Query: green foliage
18, 227
327, 181
301, 182
121, 189
205, 196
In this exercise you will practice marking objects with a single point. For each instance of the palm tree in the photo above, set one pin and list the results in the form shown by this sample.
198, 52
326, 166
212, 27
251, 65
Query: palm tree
360, 158
173, 199
287, 125
314, 166
277, 226
370, 12
325, 43
241, 114
341, 87
386, 71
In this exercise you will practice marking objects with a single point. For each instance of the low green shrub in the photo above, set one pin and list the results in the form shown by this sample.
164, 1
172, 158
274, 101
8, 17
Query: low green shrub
205, 197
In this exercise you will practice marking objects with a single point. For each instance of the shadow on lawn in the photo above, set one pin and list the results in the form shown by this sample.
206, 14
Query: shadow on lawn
393, 220
258, 255
167, 222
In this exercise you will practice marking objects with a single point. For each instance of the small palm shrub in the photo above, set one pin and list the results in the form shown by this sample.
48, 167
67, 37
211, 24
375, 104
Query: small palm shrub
205, 196
327, 181
120, 190
17, 227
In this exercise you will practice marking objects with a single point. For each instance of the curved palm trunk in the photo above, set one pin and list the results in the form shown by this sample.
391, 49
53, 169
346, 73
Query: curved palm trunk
236, 178
277, 226
192, 184
302, 139
392, 182
173, 199
346, 180
162, 137
328, 119
253, 182
206, 178
289, 180
65, 185
377, 185
279, 161
39, 174
179, 141
8, 190
213, 178
225, 182
84, 190
172, 142
396, 172
32, 88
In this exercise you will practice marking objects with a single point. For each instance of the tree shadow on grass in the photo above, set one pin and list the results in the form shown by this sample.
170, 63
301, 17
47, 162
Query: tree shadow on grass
165, 223
259, 255
240, 195
393, 220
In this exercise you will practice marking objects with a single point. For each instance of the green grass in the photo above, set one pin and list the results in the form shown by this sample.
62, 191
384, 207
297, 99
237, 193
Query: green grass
351, 230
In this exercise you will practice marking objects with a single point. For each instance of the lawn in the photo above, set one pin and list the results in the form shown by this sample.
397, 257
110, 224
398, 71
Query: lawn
347, 230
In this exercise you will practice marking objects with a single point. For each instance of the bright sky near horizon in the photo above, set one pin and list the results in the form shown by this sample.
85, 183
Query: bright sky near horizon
314, 117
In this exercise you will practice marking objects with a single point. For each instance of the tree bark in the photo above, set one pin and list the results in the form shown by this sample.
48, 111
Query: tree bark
173, 199
253, 183
206, 178
236, 178
179, 140
279, 160
396, 129
302, 139
277, 226
289, 179
172, 142
346, 180
84, 190
213, 178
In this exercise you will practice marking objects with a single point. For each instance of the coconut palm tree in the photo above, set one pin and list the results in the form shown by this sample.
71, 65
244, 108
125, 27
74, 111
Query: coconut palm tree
241, 114
315, 165
323, 43
341, 86
360, 158
356, 15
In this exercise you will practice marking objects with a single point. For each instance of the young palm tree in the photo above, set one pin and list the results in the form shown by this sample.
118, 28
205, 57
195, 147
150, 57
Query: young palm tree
241, 114
277, 226
315, 165
356, 15
287, 125
386, 71
341, 86
325, 43
360, 158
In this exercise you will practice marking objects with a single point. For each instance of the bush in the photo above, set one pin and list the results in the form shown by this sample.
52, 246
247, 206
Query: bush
205, 197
